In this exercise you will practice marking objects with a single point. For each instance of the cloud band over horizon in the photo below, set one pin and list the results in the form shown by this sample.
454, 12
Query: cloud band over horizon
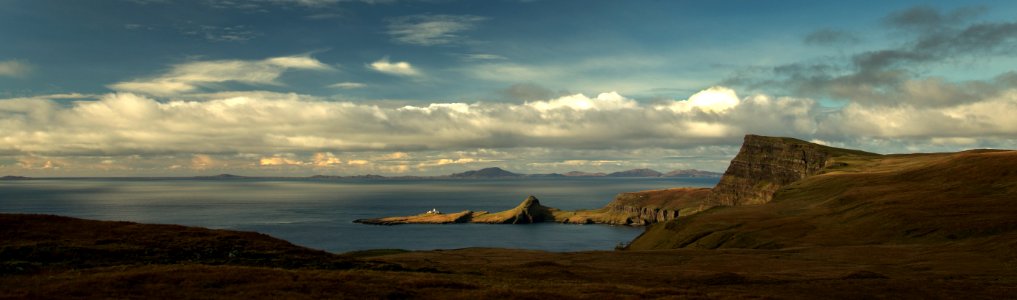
258, 129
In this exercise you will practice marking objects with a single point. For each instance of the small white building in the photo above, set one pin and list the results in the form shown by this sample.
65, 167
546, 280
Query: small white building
433, 211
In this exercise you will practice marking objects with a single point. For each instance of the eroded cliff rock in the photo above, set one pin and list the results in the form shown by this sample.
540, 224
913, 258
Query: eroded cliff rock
644, 208
528, 212
765, 164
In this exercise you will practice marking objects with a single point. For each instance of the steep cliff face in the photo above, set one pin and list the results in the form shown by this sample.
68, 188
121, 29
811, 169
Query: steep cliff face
636, 215
965, 197
765, 164
648, 207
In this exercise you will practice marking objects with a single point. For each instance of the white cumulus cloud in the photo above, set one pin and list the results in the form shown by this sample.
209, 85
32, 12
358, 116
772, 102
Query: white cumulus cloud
191, 76
279, 131
400, 68
714, 99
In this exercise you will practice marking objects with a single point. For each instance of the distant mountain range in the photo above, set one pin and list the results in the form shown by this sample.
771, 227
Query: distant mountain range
486, 173
490, 173
496, 172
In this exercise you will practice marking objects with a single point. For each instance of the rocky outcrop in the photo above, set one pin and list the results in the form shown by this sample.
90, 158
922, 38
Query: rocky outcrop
634, 215
645, 207
528, 212
765, 164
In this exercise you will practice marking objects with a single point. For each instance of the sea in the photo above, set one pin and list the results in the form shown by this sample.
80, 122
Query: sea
319, 213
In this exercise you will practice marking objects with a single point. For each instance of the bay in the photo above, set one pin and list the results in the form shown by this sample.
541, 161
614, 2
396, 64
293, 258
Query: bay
319, 213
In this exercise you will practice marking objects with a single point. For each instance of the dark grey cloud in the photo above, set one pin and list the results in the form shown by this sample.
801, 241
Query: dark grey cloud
830, 37
528, 92
926, 17
894, 75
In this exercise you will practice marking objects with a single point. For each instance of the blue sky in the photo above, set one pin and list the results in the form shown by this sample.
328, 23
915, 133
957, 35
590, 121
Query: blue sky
300, 87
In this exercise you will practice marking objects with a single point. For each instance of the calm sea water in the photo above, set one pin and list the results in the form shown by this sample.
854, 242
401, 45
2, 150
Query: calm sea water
320, 213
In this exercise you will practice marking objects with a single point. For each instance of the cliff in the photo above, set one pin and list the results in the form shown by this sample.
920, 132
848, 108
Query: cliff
761, 168
865, 200
765, 164
642, 208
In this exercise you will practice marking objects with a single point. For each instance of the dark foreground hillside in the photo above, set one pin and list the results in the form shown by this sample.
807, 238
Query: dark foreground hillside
55, 257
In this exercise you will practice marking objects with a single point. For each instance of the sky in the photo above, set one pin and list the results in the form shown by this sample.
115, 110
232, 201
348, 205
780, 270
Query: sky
400, 87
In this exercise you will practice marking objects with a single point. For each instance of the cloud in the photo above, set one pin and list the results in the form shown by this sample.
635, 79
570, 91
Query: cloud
192, 76
641, 74
830, 37
202, 162
483, 57
715, 99
527, 91
260, 4
431, 30
924, 17
325, 159
258, 130
14, 68
271, 123
238, 33
580, 102
263, 4
395, 156
348, 85
894, 75
400, 68
279, 161
512, 72
359, 162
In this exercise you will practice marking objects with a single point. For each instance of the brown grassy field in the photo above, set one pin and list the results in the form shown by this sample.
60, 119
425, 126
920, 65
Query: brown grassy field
891, 271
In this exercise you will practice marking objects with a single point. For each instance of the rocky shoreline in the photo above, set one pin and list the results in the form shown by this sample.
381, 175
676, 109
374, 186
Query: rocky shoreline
762, 166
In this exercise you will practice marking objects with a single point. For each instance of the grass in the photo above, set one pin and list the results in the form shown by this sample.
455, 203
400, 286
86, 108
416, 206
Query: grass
932, 198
